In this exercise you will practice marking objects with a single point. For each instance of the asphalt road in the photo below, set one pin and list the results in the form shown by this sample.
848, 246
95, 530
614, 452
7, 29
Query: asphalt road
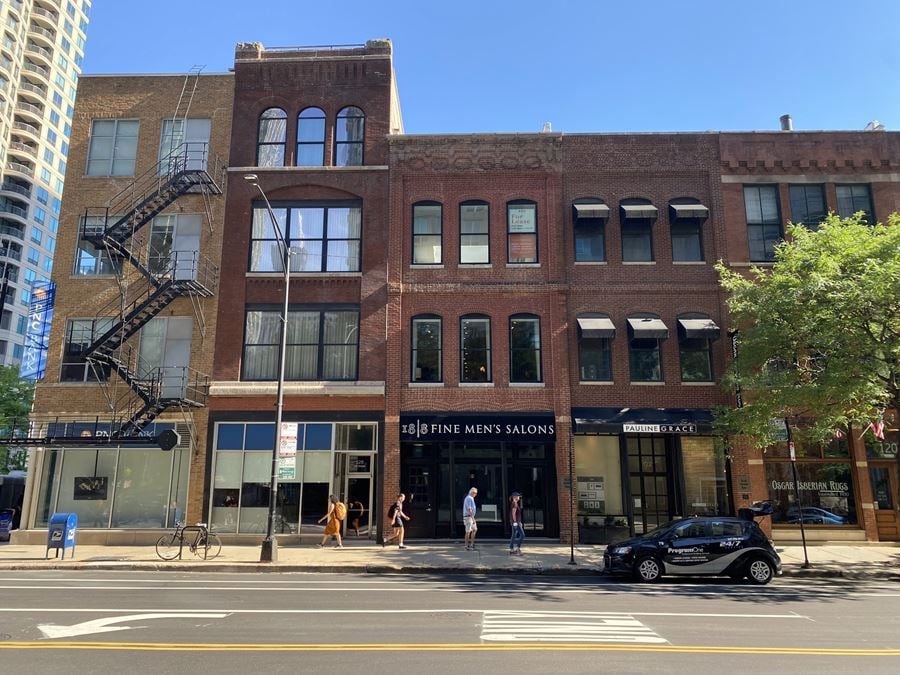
135, 622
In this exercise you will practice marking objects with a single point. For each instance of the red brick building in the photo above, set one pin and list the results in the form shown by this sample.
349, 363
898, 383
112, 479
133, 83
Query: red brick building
513, 312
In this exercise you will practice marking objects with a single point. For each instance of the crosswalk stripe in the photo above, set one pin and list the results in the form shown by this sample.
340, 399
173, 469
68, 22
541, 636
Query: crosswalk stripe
562, 627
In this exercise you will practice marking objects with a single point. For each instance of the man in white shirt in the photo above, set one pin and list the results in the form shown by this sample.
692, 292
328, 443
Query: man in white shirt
469, 518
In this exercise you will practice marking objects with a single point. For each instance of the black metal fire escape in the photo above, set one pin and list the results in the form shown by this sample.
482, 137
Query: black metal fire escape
162, 279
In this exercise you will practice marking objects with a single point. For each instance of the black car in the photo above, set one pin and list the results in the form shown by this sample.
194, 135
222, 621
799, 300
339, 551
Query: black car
697, 546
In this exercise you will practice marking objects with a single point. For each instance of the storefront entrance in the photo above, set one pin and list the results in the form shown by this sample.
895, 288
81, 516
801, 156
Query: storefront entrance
651, 480
883, 477
437, 477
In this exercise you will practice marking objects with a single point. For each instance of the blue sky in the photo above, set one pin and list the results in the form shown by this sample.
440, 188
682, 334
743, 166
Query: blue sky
500, 65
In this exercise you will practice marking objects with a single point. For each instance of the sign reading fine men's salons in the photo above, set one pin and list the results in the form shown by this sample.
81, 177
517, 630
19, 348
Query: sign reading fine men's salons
450, 427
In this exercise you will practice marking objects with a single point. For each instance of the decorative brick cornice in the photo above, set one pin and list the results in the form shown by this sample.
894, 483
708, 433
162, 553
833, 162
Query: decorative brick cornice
477, 153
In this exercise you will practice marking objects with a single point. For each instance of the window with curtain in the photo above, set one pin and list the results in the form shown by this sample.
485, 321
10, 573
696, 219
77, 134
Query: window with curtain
321, 345
323, 238
112, 148
311, 137
475, 349
427, 233
524, 349
426, 349
853, 198
521, 232
808, 205
763, 221
271, 138
349, 137
474, 233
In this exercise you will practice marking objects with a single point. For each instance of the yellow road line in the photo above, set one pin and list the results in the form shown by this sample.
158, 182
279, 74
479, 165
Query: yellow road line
440, 647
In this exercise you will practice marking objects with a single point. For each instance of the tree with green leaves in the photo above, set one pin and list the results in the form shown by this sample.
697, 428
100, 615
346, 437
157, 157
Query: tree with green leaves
16, 395
818, 333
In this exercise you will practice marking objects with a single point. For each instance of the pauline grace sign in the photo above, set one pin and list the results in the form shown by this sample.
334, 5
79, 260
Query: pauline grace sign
452, 427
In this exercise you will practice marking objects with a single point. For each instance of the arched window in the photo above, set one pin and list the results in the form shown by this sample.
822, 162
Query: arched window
686, 216
645, 335
524, 348
589, 216
521, 232
311, 137
427, 233
349, 135
271, 139
695, 335
426, 345
474, 233
475, 348
637, 217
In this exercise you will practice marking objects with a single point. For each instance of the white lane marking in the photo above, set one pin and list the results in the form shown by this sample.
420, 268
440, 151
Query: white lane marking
52, 631
552, 627
107, 610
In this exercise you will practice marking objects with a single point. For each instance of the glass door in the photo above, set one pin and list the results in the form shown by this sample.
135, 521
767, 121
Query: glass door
537, 507
883, 477
648, 469
479, 465
353, 485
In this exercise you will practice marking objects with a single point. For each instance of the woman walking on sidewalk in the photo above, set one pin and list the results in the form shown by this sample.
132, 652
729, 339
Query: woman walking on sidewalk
396, 516
333, 526
516, 523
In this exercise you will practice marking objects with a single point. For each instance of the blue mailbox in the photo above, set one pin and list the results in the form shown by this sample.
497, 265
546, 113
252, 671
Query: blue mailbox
61, 534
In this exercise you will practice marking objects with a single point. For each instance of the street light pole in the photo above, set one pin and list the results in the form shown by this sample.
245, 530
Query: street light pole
269, 549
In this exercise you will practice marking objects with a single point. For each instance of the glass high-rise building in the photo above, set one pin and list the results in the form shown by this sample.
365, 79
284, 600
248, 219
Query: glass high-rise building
41, 53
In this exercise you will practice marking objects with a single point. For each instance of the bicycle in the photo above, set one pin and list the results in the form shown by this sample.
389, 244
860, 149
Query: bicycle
205, 544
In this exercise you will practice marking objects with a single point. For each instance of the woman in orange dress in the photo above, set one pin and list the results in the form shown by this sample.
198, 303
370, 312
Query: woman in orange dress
333, 526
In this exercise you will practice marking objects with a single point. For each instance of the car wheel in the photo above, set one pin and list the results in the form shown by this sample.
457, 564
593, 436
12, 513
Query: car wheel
760, 571
647, 570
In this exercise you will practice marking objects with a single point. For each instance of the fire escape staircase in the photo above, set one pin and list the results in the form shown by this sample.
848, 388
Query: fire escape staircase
163, 278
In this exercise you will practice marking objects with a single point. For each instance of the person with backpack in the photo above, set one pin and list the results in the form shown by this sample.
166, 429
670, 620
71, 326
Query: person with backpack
337, 511
396, 518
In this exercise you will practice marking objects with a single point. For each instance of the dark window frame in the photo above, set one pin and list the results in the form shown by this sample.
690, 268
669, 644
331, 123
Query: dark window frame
414, 350
766, 227
322, 310
486, 234
488, 364
515, 203
630, 225
343, 114
594, 345
537, 351
870, 212
289, 233
595, 225
261, 143
302, 143
71, 360
692, 227
796, 198
644, 348
440, 234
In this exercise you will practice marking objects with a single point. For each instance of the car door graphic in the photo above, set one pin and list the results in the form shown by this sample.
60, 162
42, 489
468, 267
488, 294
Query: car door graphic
729, 540
688, 549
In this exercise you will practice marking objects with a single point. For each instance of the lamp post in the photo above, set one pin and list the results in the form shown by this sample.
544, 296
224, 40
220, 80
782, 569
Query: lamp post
269, 550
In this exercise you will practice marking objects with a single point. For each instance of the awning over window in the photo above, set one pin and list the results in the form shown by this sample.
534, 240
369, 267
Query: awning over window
642, 420
698, 328
647, 329
591, 211
638, 211
596, 327
688, 212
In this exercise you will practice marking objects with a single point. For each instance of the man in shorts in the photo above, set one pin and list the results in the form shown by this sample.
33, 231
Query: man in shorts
469, 518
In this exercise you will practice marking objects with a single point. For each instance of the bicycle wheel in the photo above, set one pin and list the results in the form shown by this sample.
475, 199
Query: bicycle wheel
168, 546
209, 546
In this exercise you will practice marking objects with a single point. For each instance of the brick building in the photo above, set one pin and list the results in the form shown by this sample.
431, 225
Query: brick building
532, 312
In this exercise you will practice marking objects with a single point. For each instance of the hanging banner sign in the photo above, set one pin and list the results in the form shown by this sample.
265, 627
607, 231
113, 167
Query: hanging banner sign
287, 451
37, 337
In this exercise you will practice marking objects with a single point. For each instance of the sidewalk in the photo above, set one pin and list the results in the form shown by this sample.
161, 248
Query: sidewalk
491, 557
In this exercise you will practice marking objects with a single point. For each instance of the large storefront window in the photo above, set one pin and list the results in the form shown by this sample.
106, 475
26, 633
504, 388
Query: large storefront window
705, 485
331, 458
130, 488
826, 493
598, 474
